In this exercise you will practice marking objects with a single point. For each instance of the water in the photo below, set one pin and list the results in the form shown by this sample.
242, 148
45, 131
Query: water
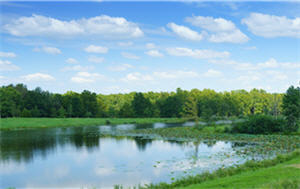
81, 157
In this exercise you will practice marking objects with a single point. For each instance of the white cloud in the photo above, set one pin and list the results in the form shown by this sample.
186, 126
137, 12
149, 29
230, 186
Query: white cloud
212, 24
96, 49
250, 48
158, 76
271, 63
249, 78
276, 75
212, 73
154, 53
221, 30
77, 68
6, 65
197, 53
119, 68
101, 26
175, 74
95, 59
136, 77
185, 32
38, 77
125, 44
290, 65
7, 54
129, 55
150, 46
48, 50
86, 77
72, 61
272, 26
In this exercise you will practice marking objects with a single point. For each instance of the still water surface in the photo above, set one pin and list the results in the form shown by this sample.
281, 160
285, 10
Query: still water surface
77, 157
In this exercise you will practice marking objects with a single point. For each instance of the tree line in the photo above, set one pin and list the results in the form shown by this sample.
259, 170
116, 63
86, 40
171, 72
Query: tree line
18, 101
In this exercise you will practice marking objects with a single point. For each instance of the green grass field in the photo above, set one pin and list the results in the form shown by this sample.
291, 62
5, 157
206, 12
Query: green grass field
16, 123
284, 175
282, 172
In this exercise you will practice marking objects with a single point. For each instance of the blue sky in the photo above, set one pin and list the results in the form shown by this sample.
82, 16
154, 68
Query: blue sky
117, 47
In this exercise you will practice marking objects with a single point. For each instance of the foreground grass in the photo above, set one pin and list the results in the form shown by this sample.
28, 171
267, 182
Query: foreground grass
282, 175
280, 172
16, 123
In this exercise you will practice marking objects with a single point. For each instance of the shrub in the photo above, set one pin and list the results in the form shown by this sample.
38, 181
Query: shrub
260, 124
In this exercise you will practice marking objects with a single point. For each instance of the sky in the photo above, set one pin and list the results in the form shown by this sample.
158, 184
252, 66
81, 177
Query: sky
120, 47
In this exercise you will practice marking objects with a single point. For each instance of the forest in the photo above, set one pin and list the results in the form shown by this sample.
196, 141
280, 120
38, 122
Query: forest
18, 101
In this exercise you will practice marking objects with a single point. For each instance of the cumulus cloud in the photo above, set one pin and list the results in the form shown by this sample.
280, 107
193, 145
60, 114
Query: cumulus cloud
86, 77
102, 26
96, 49
220, 29
277, 75
119, 68
137, 77
7, 55
48, 50
175, 74
6, 65
38, 77
72, 61
212, 73
185, 32
158, 76
154, 53
249, 78
197, 53
272, 26
77, 68
130, 55
150, 46
125, 44
95, 59
271, 63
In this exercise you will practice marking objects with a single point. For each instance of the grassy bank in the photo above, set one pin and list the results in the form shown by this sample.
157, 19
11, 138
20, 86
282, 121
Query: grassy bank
280, 172
16, 123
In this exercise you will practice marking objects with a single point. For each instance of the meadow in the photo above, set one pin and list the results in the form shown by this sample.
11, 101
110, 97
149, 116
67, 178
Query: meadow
280, 172
21, 123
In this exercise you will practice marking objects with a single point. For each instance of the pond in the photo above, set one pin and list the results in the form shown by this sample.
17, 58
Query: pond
77, 157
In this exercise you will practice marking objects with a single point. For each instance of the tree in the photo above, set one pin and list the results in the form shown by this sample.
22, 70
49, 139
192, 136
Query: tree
140, 105
291, 108
190, 109
61, 112
126, 110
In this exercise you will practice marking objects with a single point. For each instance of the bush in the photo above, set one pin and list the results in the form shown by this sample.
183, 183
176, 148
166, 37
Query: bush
260, 124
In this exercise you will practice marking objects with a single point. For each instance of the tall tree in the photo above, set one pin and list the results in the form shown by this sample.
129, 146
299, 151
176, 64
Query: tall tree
291, 107
141, 105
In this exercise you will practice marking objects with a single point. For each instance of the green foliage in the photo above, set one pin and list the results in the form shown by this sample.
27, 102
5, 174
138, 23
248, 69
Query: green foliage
141, 106
260, 124
190, 108
291, 108
207, 104
25, 113
61, 112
